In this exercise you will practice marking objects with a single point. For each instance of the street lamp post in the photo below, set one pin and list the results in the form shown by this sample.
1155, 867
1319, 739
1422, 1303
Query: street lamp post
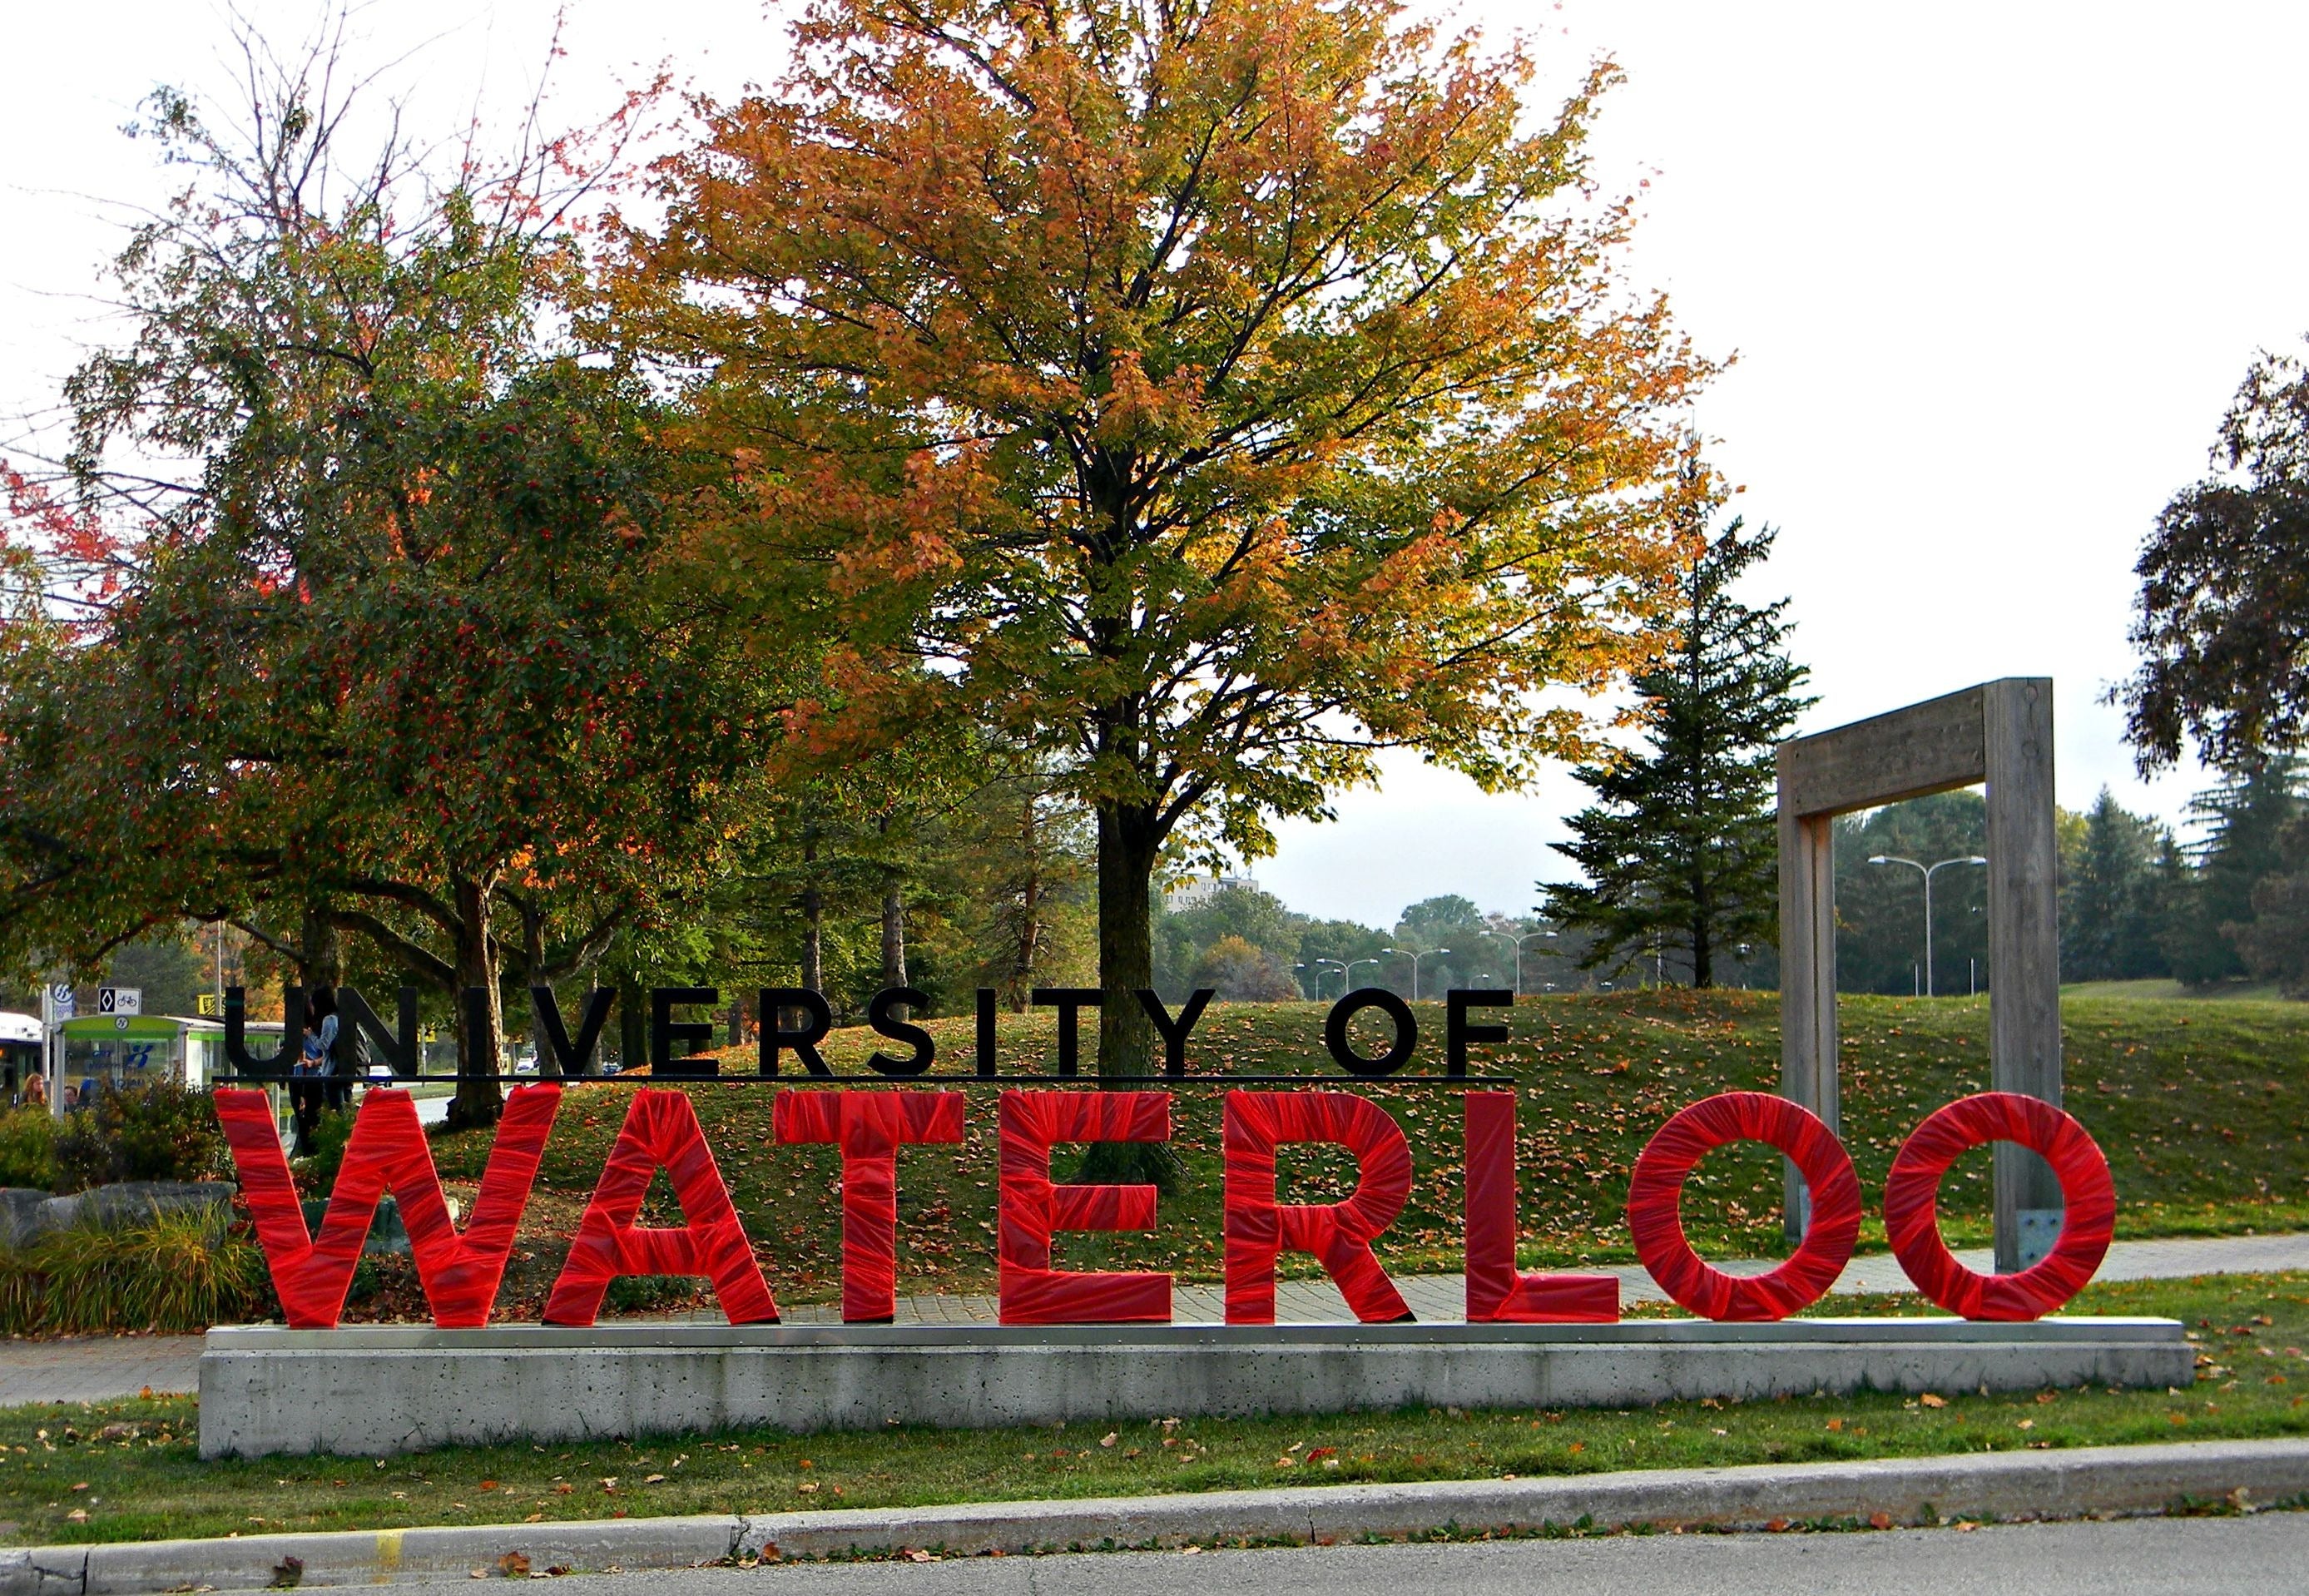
1334, 964
1415, 958
1517, 943
1927, 871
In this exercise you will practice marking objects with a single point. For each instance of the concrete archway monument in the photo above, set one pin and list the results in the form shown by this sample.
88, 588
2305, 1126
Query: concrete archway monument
1999, 734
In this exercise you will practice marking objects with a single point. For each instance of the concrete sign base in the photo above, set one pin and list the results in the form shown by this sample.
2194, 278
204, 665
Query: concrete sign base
365, 1392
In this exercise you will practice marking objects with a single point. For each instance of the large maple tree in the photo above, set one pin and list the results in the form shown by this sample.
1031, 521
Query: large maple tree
1213, 393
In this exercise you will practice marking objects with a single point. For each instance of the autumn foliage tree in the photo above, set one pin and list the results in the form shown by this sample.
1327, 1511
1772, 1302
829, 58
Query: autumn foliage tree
1212, 393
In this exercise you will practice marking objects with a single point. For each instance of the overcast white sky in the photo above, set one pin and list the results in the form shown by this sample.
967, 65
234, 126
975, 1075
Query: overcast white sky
1990, 273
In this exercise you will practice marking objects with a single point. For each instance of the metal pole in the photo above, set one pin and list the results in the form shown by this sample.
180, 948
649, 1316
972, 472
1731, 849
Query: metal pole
1928, 933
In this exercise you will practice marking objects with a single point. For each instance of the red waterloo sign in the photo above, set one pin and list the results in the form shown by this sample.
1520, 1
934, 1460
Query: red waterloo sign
459, 1270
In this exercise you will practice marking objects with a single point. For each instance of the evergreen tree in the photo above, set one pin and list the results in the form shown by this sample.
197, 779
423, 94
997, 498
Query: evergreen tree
1681, 850
2109, 901
2244, 819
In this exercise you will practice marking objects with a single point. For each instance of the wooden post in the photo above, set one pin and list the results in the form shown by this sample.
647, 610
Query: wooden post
1808, 1072
2024, 951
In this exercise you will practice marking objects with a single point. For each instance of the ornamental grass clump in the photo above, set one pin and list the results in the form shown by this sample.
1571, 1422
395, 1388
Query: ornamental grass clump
178, 1272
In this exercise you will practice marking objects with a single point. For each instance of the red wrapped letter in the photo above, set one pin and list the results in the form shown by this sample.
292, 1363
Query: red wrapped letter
1338, 1233
387, 1152
1033, 1209
1912, 1219
1656, 1191
1496, 1293
869, 1127
661, 1129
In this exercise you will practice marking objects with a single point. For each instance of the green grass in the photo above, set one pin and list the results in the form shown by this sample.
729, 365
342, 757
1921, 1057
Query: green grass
130, 1469
2226, 991
2200, 1107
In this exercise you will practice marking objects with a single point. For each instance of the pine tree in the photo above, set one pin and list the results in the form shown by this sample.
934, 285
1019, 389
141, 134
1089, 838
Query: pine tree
2108, 904
2244, 820
1680, 850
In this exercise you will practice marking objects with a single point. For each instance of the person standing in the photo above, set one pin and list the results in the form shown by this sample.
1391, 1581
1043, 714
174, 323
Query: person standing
305, 1086
36, 1091
335, 1065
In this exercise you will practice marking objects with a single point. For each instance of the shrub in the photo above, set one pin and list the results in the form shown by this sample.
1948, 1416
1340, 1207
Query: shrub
27, 1148
159, 1132
316, 1176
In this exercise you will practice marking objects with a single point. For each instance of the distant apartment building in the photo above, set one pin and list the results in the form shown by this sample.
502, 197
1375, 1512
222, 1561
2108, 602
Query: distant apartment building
1194, 894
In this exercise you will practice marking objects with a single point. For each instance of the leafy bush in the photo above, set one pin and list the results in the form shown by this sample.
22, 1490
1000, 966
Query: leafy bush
159, 1132
27, 1148
317, 1175
180, 1273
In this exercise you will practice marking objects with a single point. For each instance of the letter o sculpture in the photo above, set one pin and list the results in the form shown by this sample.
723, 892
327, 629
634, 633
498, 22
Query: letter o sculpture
1912, 1193
1655, 1196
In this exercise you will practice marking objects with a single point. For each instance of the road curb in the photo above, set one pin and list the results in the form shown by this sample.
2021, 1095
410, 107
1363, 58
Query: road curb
1981, 1485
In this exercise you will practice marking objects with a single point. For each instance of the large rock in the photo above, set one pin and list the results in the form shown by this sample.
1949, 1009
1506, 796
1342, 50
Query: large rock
387, 1236
21, 1219
126, 1204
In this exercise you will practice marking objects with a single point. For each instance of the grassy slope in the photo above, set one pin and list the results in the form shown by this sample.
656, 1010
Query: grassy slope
130, 1469
2227, 992
2200, 1107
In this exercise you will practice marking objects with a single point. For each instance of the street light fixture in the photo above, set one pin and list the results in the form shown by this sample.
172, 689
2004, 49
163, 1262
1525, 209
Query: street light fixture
1927, 871
1518, 943
1415, 958
1318, 965
1350, 972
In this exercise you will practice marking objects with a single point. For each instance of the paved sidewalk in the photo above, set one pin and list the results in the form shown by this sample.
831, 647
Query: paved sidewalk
92, 1368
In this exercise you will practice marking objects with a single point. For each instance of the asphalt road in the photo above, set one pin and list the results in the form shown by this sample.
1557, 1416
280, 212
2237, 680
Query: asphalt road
2217, 1556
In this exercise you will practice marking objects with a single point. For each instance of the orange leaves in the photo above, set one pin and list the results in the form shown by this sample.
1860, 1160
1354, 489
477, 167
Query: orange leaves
1214, 404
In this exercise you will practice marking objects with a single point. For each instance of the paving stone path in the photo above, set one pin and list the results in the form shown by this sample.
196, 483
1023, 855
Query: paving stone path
92, 1368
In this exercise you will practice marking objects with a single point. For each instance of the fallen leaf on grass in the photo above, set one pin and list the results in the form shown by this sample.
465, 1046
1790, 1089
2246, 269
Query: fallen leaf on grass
1929, 1401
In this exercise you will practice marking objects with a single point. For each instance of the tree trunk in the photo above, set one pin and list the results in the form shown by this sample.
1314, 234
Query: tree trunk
893, 935
324, 961
813, 919
633, 1024
479, 1098
813, 940
1030, 908
1127, 846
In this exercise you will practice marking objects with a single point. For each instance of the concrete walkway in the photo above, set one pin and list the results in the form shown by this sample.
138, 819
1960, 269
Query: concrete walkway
94, 1368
